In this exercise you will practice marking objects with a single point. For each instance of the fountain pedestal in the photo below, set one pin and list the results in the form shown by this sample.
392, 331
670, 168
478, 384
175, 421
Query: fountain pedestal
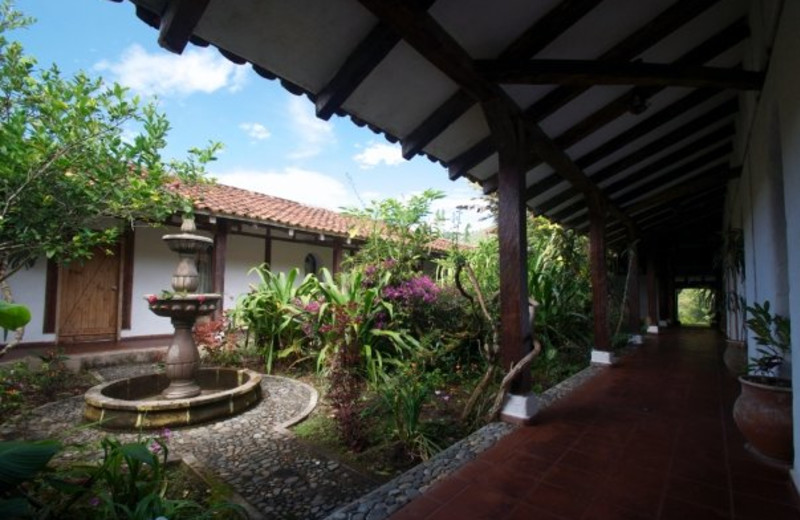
183, 360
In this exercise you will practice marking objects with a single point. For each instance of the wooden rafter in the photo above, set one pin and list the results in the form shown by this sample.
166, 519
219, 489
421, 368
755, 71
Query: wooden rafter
533, 40
582, 73
707, 180
654, 181
357, 66
178, 22
681, 133
428, 38
710, 48
651, 33
635, 132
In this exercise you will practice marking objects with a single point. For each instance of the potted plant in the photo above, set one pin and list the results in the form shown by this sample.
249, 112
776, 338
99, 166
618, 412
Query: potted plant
763, 411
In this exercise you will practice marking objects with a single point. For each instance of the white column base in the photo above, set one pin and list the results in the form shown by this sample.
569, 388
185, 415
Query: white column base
603, 357
652, 329
635, 339
519, 409
663, 323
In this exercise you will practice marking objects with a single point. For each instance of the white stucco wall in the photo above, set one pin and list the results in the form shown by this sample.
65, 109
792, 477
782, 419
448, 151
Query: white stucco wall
28, 288
770, 184
286, 255
244, 253
153, 264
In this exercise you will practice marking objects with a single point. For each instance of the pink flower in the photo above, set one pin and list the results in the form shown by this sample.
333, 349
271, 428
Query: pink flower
201, 298
152, 299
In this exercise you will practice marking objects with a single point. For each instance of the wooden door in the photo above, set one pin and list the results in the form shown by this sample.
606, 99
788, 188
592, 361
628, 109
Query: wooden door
88, 307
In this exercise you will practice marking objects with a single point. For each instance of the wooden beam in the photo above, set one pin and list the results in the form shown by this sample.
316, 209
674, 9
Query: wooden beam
681, 133
357, 66
533, 40
366, 56
634, 133
177, 23
580, 73
710, 48
436, 123
710, 179
423, 33
651, 172
652, 169
646, 36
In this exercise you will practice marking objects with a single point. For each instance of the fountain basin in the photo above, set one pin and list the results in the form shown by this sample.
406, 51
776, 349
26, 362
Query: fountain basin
184, 306
136, 402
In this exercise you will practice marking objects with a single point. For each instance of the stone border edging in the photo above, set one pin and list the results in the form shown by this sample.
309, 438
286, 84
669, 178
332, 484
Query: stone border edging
380, 503
304, 413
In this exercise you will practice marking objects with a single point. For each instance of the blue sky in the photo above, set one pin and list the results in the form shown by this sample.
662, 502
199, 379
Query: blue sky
273, 141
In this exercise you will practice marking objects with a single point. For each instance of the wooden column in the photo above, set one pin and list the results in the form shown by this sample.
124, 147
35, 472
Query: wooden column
219, 255
597, 260
268, 248
515, 336
337, 256
652, 290
634, 308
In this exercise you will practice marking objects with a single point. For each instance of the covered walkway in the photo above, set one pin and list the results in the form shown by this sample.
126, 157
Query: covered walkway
650, 438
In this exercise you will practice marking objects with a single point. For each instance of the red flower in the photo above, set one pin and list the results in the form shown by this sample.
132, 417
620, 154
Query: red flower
152, 299
201, 298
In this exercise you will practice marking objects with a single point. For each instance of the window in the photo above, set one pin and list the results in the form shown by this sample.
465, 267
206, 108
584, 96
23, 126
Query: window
310, 265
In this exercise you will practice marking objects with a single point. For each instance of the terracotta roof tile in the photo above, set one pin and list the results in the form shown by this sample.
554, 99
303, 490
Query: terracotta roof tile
220, 199
223, 200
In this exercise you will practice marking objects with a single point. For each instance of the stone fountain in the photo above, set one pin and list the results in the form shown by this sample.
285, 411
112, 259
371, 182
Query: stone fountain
184, 394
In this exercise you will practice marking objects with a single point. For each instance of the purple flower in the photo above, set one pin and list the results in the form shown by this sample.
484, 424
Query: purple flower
154, 448
166, 434
94, 501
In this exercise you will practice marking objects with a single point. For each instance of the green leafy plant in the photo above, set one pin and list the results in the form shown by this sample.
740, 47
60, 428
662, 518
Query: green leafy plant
772, 333
270, 313
20, 463
405, 397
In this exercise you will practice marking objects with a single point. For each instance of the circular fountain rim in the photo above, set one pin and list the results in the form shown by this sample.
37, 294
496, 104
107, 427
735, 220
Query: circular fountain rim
95, 397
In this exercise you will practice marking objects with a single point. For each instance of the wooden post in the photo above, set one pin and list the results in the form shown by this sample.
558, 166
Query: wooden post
634, 312
597, 260
219, 255
652, 290
515, 341
337, 256
268, 248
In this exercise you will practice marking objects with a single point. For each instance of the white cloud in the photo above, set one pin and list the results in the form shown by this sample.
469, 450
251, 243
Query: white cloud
377, 153
312, 133
306, 186
164, 74
256, 131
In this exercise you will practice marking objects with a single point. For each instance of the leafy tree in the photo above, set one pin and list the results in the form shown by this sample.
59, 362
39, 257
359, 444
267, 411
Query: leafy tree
70, 178
398, 231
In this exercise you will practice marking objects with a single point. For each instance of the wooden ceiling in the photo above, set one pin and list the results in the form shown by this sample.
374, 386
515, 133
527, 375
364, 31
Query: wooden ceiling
632, 102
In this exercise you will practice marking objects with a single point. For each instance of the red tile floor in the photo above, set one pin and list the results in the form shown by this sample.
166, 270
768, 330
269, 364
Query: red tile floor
650, 438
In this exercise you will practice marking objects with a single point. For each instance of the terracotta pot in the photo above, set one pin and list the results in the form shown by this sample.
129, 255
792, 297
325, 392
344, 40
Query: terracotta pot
735, 357
763, 413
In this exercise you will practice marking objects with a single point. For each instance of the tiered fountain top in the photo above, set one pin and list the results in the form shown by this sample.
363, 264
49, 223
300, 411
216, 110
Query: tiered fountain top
183, 302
